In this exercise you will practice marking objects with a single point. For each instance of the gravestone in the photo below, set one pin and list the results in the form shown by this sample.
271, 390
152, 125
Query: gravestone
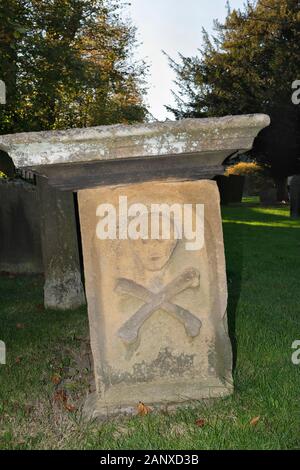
268, 196
231, 188
157, 305
157, 311
20, 240
295, 196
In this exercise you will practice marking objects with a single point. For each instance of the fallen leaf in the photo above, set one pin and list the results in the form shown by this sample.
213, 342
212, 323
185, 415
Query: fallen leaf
200, 423
254, 421
143, 409
20, 326
69, 407
60, 396
56, 379
18, 359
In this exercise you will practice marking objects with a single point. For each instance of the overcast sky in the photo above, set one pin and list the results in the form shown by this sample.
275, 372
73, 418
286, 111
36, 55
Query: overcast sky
172, 26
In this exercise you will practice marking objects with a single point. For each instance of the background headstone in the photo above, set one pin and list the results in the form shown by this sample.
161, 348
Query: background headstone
268, 196
295, 196
231, 188
20, 239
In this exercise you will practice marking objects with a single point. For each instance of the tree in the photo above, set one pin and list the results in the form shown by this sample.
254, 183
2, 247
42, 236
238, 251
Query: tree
249, 67
12, 21
71, 65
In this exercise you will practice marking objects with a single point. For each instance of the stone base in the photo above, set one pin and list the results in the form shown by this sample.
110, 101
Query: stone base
64, 293
63, 289
160, 396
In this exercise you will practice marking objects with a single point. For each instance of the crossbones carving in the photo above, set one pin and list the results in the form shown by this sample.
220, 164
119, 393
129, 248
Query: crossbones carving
154, 301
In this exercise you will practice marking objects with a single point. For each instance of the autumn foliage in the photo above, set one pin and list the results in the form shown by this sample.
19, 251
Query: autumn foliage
68, 63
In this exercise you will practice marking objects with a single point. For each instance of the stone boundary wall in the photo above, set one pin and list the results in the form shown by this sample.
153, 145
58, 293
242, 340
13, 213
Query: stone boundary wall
20, 236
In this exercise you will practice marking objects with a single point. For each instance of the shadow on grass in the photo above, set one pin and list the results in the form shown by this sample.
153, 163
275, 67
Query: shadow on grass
257, 214
257, 256
234, 259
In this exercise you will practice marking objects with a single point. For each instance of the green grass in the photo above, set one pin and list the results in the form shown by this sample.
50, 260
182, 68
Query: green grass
263, 264
251, 200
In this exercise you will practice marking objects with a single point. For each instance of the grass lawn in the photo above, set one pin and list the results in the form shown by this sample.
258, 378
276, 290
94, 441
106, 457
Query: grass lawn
43, 347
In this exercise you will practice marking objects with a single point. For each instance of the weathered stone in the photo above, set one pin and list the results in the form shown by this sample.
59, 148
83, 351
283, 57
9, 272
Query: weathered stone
157, 312
20, 246
63, 287
213, 139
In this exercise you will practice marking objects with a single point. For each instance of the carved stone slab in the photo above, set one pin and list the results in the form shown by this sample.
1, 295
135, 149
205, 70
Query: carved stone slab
157, 311
76, 159
188, 136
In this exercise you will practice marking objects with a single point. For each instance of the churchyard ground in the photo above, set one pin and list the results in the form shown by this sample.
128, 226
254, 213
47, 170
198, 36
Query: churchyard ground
47, 373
